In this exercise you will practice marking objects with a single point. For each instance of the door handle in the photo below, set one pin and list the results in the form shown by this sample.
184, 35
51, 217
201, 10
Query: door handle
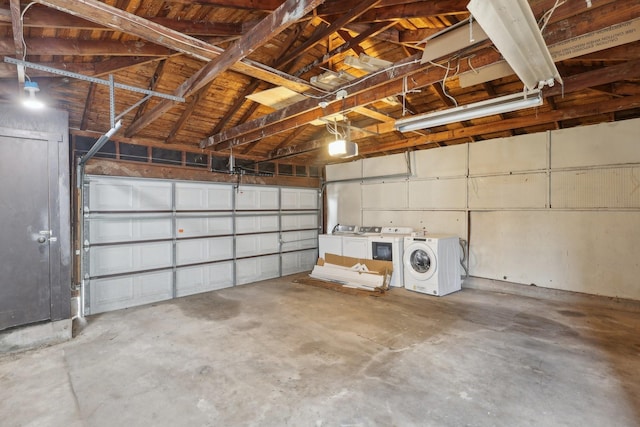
46, 235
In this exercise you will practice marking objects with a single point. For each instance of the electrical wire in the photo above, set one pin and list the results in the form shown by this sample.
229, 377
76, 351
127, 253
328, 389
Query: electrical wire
356, 82
544, 20
24, 43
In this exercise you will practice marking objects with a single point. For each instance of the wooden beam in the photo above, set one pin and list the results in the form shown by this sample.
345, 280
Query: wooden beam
361, 92
113, 65
40, 17
98, 166
5, 16
191, 106
630, 70
16, 22
390, 35
373, 114
417, 9
550, 117
614, 105
115, 18
265, 5
68, 47
352, 43
153, 84
339, 7
201, 28
84, 123
353, 13
369, 89
274, 24
254, 85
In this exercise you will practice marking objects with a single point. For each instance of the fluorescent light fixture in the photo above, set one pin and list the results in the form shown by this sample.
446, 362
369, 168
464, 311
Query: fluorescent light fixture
452, 39
367, 63
343, 149
503, 104
512, 28
30, 101
330, 80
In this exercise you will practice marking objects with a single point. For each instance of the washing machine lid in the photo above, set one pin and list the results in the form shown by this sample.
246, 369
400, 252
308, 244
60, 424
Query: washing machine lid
419, 261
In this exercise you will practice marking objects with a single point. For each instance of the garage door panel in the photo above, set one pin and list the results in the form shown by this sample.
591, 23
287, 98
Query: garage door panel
129, 291
203, 278
256, 224
193, 251
294, 222
199, 196
257, 244
296, 240
259, 268
297, 262
295, 198
116, 194
118, 259
126, 229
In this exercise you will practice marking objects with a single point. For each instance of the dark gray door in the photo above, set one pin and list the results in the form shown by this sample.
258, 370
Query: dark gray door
25, 289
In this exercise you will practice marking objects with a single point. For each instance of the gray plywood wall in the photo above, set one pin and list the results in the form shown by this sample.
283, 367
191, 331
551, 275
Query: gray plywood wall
559, 209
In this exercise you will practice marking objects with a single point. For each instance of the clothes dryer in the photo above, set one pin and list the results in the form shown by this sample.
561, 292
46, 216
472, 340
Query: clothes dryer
388, 245
432, 264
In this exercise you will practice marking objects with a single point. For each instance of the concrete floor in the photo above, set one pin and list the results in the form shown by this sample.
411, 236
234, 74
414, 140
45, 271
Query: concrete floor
279, 353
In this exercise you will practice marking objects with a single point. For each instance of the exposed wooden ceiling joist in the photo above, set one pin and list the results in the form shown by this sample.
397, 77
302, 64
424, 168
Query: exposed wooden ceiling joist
274, 24
129, 38
115, 18
369, 89
575, 83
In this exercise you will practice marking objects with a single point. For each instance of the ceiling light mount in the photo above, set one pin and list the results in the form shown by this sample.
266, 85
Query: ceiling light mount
342, 147
30, 99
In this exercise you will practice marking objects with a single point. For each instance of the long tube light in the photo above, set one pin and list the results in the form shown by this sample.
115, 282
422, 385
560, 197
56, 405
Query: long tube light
503, 104
512, 27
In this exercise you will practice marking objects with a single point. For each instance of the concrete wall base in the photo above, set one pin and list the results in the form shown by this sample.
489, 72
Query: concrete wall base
538, 292
33, 336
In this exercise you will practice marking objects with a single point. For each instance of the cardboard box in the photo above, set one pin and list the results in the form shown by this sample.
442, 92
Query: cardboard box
351, 272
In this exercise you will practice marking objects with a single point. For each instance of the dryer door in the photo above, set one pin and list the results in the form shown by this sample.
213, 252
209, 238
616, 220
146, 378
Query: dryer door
419, 261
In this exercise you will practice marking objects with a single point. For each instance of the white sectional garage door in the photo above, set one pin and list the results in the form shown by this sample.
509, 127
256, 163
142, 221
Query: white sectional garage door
150, 240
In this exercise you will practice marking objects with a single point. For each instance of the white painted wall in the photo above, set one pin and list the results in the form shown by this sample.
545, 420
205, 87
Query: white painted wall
557, 209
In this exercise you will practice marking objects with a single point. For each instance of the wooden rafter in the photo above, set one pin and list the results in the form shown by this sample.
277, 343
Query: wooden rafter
358, 10
87, 106
274, 24
62, 47
184, 117
39, 17
17, 35
350, 43
369, 89
571, 84
113, 17
253, 86
153, 84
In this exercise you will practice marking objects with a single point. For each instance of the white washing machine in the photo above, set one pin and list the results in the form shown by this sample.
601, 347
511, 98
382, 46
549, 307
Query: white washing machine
332, 243
432, 264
